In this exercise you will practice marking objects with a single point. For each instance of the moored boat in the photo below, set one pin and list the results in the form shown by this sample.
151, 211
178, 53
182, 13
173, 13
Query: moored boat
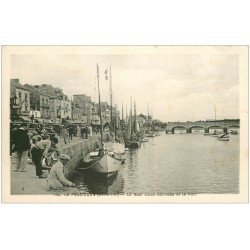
133, 144
132, 137
106, 165
234, 132
103, 161
223, 138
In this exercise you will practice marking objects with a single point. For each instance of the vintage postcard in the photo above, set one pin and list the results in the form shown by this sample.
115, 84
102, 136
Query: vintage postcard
125, 124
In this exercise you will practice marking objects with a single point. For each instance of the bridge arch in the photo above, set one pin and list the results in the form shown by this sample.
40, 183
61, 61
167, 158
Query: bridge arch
179, 129
217, 128
197, 129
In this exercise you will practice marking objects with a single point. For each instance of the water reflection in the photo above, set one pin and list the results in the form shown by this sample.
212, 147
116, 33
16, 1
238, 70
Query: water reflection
94, 184
172, 163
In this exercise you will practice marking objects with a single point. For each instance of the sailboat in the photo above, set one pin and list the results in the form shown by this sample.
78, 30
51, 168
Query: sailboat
150, 133
102, 161
115, 146
131, 138
215, 133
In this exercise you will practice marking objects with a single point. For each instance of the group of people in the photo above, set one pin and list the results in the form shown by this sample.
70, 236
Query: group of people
70, 131
44, 153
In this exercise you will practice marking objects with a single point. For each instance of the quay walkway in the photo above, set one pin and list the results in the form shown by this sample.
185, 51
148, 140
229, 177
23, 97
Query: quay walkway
27, 183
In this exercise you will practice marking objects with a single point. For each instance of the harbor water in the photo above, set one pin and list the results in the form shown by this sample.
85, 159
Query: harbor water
173, 163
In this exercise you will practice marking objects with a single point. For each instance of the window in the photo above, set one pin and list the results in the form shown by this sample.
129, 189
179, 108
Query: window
20, 95
42, 101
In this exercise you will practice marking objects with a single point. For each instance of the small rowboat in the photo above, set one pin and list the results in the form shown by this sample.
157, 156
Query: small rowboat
223, 138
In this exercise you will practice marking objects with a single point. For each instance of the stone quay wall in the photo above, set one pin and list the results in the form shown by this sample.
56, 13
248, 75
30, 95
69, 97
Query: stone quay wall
76, 152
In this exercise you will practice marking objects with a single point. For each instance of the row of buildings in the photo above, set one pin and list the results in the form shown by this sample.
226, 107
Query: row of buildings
45, 103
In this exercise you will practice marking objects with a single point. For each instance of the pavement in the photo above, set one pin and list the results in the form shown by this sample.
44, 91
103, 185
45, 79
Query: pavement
28, 183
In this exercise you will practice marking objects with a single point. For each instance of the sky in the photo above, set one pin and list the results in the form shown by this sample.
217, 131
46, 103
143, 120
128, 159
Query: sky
176, 87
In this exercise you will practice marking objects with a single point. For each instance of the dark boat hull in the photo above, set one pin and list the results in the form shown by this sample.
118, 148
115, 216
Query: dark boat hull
133, 144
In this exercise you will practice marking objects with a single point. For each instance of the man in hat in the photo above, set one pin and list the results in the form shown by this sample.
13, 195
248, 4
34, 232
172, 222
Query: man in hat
22, 145
56, 179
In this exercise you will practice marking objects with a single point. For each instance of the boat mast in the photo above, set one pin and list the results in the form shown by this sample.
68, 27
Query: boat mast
148, 119
115, 116
122, 117
215, 113
135, 127
126, 116
131, 127
99, 99
111, 111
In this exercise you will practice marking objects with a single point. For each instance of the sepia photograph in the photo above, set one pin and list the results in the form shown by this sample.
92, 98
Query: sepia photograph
131, 124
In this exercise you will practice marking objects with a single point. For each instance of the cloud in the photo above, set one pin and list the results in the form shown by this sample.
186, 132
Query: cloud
176, 86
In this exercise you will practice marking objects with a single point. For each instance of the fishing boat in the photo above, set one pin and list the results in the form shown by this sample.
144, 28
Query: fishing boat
116, 146
144, 139
134, 144
103, 161
132, 140
117, 150
106, 165
99, 185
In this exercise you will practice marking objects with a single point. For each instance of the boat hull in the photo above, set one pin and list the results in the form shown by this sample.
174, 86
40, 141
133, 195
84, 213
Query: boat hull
222, 139
106, 165
133, 145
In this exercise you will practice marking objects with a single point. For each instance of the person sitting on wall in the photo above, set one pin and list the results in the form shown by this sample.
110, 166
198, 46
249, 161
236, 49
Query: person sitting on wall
56, 179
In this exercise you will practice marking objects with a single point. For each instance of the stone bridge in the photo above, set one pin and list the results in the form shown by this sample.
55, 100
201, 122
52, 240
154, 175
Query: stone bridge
189, 127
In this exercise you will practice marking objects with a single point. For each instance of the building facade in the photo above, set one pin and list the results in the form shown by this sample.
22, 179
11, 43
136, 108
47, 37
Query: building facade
19, 101
55, 104
82, 108
39, 103
65, 108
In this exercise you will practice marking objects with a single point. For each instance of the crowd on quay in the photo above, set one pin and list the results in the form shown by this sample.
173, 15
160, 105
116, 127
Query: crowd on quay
39, 142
